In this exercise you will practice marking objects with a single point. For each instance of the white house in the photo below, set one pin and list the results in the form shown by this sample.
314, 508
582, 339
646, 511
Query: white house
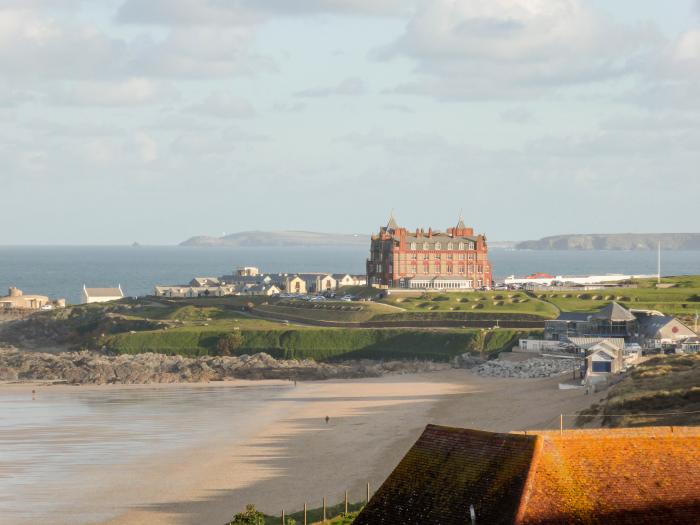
344, 279
101, 295
603, 360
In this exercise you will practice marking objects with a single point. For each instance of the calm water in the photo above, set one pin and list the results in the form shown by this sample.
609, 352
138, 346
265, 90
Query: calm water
62, 453
61, 271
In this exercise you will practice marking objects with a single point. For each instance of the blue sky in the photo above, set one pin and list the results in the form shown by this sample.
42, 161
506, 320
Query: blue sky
156, 120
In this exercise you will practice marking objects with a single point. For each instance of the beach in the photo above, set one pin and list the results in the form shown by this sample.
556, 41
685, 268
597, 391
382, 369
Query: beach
278, 453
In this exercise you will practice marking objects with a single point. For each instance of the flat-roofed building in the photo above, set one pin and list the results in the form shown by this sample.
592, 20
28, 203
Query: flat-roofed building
16, 299
101, 295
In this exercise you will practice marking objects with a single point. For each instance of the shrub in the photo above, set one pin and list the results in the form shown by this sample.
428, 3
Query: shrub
229, 343
250, 516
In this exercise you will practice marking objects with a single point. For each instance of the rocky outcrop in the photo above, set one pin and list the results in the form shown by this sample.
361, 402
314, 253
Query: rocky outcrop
97, 368
528, 369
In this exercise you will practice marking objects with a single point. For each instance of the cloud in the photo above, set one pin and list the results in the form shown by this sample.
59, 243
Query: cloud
517, 115
484, 49
223, 105
349, 87
247, 12
131, 92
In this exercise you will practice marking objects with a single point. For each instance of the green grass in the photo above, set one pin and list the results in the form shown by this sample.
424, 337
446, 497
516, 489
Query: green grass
338, 311
681, 300
316, 343
334, 513
661, 385
512, 302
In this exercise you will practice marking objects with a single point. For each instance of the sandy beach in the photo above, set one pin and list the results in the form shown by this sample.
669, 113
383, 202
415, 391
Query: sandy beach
287, 454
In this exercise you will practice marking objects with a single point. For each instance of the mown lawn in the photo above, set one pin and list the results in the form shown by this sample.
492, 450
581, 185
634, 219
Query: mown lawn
339, 311
510, 302
683, 299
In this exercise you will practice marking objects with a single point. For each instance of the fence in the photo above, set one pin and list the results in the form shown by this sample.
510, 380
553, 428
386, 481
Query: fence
320, 515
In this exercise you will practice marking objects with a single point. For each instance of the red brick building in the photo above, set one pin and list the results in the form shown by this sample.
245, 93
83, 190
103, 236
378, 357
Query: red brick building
454, 259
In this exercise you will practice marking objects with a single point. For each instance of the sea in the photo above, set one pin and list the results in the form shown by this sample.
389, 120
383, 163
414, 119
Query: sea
60, 272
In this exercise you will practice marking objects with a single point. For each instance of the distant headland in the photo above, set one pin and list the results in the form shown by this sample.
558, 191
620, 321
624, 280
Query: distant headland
286, 238
615, 241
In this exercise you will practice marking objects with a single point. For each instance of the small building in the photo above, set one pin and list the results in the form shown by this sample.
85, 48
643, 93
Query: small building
690, 345
344, 279
295, 284
188, 291
438, 283
656, 331
325, 283
247, 271
16, 299
101, 295
457, 476
603, 360
262, 289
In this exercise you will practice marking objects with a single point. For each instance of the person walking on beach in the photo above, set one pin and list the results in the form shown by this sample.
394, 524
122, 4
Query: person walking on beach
327, 419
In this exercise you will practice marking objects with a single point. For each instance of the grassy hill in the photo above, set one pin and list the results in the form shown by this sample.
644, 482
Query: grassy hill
661, 385
516, 303
681, 299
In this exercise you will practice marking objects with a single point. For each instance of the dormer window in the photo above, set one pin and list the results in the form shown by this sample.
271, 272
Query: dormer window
450, 246
426, 246
438, 246
461, 246
413, 246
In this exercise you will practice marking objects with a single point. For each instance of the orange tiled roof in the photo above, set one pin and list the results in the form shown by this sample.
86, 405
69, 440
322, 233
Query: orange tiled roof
644, 475
621, 476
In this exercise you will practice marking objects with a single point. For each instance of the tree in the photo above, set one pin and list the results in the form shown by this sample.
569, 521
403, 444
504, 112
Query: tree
229, 343
250, 516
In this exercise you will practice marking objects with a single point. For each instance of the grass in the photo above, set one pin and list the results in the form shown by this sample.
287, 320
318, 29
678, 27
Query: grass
661, 385
509, 302
300, 342
337, 311
334, 513
682, 300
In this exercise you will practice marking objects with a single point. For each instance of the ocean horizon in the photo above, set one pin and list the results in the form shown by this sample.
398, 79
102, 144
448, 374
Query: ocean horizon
61, 271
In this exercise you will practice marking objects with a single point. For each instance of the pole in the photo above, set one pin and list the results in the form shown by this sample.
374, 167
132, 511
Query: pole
346, 502
658, 277
324, 509
284, 522
368, 492
305, 523
561, 424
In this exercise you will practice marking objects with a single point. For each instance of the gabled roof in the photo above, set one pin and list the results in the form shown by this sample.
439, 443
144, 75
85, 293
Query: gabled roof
613, 477
392, 224
446, 471
649, 325
620, 476
614, 312
587, 342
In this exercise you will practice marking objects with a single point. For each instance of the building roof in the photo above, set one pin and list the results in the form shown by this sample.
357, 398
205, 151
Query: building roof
392, 224
460, 223
540, 275
615, 476
588, 342
438, 237
104, 292
573, 316
602, 476
446, 471
614, 312
649, 325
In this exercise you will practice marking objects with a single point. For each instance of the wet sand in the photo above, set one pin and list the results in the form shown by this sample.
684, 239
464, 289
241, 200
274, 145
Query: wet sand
289, 454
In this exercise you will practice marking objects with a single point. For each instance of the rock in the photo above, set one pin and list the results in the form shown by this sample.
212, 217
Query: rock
530, 368
96, 368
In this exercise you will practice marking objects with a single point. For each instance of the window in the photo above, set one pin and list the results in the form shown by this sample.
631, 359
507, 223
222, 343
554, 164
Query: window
438, 256
413, 246
425, 246
461, 246
461, 256
438, 246
449, 257
450, 246
601, 366
461, 269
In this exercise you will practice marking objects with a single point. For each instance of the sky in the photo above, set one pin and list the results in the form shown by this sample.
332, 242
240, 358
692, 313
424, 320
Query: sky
156, 120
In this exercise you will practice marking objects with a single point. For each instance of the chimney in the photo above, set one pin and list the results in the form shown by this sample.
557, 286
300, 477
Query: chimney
430, 232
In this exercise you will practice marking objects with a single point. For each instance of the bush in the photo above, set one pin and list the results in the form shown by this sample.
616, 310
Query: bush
250, 516
229, 343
